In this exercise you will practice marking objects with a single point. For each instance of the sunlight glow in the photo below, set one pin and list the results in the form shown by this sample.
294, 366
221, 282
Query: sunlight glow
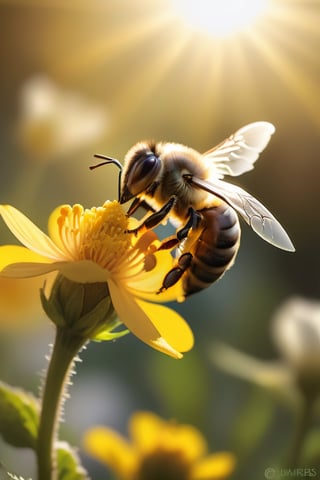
220, 18
226, 52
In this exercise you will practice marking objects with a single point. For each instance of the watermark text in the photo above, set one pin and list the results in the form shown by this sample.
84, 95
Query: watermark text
274, 473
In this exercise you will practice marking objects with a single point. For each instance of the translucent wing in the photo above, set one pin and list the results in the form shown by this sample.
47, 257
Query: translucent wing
252, 211
237, 154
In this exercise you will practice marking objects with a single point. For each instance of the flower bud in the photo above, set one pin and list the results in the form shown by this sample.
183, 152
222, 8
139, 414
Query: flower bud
83, 308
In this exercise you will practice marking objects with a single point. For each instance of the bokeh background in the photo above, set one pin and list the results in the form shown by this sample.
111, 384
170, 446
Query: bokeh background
84, 77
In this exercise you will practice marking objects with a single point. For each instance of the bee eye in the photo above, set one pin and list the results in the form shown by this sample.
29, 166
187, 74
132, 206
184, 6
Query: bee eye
142, 172
147, 164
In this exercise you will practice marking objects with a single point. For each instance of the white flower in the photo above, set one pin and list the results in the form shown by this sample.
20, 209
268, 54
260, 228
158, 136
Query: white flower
55, 122
296, 332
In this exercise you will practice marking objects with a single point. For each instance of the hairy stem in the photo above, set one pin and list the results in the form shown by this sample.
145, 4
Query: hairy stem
66, 347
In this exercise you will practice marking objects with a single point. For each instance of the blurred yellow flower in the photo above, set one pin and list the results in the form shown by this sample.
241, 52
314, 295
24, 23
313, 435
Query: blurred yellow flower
158, 450
94, 246
54, 122
25, 313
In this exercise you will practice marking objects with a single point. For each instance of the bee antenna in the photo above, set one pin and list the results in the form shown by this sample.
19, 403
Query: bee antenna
108, 160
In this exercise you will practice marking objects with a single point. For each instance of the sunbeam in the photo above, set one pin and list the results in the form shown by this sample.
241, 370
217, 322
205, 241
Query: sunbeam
219, 18
142, 49
113, 42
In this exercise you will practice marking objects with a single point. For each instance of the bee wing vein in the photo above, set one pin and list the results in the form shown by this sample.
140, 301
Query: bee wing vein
237, 154
252, 211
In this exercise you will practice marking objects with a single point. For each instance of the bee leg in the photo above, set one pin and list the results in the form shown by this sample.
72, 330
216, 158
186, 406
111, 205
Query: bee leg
137, 203
184, 261
155, 218
194, 220
174, 275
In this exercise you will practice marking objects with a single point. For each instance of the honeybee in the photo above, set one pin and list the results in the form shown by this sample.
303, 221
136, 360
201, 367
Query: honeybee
175, 181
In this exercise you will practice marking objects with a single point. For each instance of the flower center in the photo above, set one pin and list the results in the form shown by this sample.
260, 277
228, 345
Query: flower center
164, 464
98, 234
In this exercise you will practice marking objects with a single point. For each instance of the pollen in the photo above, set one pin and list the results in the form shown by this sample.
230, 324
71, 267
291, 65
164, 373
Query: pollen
98, 234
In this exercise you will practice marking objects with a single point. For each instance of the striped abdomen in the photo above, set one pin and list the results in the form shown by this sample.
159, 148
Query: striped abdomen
215, 249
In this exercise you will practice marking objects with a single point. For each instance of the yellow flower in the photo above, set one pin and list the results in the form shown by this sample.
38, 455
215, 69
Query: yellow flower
158, 449
93, 246
27, 312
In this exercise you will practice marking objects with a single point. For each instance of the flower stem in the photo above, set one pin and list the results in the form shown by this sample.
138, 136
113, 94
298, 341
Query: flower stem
302, 426
66, 347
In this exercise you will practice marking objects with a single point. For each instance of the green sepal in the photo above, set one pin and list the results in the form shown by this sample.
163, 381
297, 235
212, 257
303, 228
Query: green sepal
83, 308
19, 416
68, 463
52, 306
108, 333
101, 315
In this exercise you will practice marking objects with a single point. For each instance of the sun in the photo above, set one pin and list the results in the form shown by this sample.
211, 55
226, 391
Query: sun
220, 18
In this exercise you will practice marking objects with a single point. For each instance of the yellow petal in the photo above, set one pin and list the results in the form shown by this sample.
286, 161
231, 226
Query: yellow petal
144, 428
151, 281
190, 441
29, 234
111, 449
148, 284
15, 253
53, 229
27, 270
83, 271
136, 320
170, 324
214, 467
172, 294
149, 432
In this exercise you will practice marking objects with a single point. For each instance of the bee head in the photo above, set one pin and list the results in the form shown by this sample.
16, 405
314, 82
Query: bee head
141, 167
